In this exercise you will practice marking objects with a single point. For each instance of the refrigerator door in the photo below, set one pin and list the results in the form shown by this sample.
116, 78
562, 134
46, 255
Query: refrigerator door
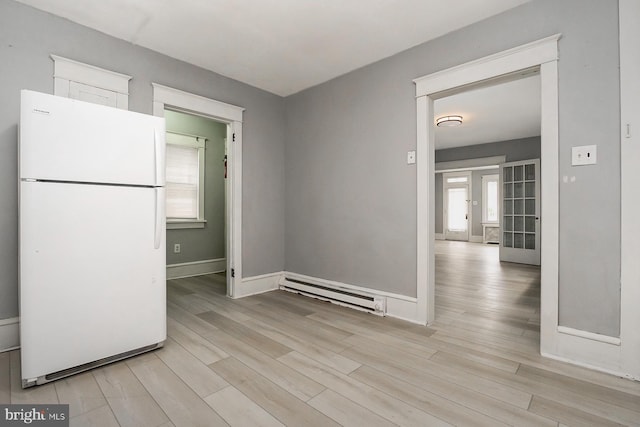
63, 139
92, 273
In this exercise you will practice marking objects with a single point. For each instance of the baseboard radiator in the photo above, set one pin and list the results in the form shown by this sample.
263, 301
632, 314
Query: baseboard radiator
347, 297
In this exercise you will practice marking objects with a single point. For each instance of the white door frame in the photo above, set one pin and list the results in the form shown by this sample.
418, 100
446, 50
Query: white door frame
164, 97
542, 54
630, 175
445, 200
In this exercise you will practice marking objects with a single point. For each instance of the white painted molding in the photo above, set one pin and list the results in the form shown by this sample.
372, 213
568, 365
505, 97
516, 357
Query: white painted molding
471, 164
9, 334
476, 239
512, 60
71, 76
68, 69
196, 268
398, 306
439, 236
258, 284
177, 98
630, 176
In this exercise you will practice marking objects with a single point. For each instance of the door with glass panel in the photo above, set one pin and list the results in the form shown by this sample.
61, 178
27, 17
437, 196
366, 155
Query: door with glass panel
520, 212
456, 205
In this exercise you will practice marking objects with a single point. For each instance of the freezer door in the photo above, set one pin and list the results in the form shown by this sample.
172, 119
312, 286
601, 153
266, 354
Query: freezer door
92, 273
63, 139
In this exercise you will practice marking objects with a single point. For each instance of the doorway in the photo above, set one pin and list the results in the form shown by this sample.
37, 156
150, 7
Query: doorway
196, 201
166, 98
456, 199
542, 55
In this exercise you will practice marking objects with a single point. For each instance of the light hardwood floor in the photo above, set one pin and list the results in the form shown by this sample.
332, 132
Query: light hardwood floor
282, 359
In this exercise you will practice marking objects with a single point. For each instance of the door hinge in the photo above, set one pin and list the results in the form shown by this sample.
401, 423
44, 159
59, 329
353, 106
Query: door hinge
233, 272
233, 138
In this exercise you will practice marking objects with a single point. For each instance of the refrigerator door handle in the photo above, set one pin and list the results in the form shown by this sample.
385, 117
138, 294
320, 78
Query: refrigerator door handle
158, 151
159, 217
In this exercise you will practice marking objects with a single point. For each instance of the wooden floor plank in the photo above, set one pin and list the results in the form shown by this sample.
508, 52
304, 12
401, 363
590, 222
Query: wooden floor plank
81, 393
382, 404
238, 410
181, 404
346, 412
284, 406
130, 402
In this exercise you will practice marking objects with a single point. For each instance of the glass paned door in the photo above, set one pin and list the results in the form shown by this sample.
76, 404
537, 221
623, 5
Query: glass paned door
520, 237
456, 206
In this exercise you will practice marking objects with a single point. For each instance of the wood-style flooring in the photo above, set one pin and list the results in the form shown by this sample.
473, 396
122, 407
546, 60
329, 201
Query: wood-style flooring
283, 359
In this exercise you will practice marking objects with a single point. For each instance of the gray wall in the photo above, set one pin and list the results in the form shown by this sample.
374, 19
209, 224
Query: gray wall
514, 150
28, 37
206, 243
351, 198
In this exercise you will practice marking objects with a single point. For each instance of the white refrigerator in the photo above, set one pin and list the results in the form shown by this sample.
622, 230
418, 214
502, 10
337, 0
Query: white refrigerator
92, 260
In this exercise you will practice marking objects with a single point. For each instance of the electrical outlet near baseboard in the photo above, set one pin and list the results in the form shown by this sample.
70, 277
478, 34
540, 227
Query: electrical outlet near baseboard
176, 248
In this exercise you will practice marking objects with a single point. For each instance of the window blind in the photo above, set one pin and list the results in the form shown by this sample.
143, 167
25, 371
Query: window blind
182, 180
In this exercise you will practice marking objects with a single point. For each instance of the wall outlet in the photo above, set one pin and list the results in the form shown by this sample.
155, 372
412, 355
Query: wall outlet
583, 155
411, 157
176, 248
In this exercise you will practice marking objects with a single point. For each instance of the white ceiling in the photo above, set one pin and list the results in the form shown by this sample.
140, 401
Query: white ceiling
495, 113
282, 46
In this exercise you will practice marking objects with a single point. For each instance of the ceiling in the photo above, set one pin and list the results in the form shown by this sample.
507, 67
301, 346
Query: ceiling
281, 46
500, 112
285, 46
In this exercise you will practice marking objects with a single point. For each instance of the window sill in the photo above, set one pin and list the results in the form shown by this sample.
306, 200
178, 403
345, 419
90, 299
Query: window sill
177, 224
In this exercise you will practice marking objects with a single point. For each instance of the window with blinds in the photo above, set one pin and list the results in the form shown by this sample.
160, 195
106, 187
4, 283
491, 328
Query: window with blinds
185, 177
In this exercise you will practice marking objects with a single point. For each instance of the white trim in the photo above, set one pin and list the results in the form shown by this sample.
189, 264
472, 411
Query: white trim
66, 71
196, 268
471, 164
164, 96
439, 236
178, 224
198, 104
509, 61
589, 335
258, 284
9, 334
542, 53
630, 176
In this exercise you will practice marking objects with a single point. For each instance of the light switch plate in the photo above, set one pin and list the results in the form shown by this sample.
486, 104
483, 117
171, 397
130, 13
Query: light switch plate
411, 157
584, 155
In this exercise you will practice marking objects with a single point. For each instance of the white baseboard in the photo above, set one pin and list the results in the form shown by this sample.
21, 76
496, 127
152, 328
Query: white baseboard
9, 334
258, 284
476, 239
398, 306
439, 236
196, 268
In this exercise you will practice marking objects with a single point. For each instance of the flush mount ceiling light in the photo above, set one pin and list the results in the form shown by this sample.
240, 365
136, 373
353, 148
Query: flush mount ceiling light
449, 121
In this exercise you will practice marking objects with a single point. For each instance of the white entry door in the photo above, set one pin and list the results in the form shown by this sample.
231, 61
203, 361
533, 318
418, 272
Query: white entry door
456, 205
520, 212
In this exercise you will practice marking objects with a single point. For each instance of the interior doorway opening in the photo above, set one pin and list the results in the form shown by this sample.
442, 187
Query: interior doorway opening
230, 116
197, 238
